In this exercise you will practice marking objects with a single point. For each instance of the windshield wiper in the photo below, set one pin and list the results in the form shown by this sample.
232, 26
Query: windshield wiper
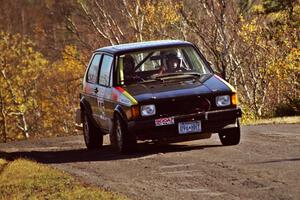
144, 81
182, 75
151, 80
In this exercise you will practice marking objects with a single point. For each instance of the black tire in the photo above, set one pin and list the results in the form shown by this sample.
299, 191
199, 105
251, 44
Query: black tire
93, 138
231, 136
122, 140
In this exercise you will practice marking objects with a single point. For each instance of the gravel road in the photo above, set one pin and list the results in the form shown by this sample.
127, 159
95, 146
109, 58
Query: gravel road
266, 165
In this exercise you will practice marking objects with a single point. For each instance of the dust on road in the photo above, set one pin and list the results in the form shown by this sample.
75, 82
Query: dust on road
266, 165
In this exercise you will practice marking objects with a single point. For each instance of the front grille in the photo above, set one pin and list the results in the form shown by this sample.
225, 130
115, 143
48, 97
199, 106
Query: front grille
186, 105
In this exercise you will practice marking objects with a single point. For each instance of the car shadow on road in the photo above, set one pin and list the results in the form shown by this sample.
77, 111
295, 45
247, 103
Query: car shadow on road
278, 160
104, 154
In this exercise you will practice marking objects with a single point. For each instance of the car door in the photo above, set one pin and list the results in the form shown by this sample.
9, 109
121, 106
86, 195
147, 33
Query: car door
105, 88
91, 87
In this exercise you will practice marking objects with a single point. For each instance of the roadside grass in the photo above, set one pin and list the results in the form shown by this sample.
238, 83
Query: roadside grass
2, 162
24, 179
276, 120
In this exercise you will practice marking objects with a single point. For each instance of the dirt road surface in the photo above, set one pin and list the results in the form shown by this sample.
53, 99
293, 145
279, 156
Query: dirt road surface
266, 165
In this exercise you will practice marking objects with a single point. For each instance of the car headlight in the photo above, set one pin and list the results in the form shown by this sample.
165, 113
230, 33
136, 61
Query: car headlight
223, 100
148, 110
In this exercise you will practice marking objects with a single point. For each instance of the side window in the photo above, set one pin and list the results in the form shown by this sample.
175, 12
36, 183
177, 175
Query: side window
105, 70
93, 69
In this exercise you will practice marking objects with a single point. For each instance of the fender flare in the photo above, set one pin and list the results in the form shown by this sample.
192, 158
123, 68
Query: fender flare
85, 107
119, 110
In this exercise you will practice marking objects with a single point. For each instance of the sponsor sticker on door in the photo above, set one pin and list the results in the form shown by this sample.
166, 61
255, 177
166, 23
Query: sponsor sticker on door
164, 121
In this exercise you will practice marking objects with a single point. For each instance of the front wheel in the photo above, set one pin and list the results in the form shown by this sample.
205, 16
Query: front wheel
122, 139
92, 136
230, 136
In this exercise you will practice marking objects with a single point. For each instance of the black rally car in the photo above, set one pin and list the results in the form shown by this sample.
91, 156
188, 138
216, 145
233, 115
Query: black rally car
158, 90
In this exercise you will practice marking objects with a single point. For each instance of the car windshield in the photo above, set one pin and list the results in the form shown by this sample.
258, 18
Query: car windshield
160, 64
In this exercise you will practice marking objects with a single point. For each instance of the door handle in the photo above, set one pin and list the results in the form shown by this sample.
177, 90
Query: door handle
96, 90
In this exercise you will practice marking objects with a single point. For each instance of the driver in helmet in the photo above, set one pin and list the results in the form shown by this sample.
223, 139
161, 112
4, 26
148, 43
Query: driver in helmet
172, 64
129, 72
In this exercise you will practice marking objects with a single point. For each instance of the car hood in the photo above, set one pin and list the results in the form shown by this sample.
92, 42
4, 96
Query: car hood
144, 92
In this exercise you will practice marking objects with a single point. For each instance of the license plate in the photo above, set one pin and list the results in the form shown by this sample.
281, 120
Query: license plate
189, 127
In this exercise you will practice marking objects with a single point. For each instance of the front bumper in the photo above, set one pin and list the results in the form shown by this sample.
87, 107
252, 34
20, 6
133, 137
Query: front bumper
211, 122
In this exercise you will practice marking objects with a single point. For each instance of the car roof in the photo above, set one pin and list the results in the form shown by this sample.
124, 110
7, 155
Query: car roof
131, 47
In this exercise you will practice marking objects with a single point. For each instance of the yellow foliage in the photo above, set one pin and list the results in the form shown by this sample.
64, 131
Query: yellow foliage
160, 16
272, 40
293, 60
258, 8
45, 94
20, 68
60, 96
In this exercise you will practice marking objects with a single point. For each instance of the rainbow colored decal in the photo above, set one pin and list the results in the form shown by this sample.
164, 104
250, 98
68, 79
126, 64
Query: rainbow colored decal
122, 96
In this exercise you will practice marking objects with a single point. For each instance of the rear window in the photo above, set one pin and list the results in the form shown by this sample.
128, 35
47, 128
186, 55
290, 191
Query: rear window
105, 70
92, 74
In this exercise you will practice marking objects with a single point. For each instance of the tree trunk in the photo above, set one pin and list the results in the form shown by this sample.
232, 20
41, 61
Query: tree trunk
25, 126
4, 124
4, 119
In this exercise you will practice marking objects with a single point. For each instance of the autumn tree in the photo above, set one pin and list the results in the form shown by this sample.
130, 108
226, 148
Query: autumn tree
100, 22
271, 35
213, 25
59, 93
249, 42
41, 21
20, 68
